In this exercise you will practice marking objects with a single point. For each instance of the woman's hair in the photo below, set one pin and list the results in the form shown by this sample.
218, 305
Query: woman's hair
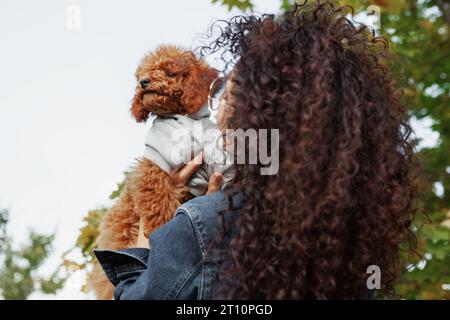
342, 199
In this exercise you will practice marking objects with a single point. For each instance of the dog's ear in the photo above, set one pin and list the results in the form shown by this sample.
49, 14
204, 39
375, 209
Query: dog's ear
138, 111
196, 87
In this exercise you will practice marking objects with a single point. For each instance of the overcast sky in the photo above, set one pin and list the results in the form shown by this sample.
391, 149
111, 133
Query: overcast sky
66, 135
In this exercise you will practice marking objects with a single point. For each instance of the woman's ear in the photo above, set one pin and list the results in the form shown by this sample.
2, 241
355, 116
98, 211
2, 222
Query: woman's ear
138, 111
196, 89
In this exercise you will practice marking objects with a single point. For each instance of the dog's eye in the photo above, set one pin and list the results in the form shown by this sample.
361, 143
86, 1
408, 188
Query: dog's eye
171, 74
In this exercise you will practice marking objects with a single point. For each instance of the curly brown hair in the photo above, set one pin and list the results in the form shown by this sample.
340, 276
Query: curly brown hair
342, 199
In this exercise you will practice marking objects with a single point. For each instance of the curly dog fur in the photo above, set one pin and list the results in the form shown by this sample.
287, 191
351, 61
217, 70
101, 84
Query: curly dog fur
169, 80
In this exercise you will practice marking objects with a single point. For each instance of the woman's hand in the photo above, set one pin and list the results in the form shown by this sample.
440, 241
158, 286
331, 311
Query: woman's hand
215, 182
180, 178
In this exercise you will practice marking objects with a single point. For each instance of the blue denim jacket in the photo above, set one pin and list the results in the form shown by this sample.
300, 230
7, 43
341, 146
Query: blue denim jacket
178, 264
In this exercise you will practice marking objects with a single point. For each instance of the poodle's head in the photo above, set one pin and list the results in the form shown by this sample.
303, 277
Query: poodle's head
171, 80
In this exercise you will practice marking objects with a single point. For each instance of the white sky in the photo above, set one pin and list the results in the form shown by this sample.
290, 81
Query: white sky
66, 134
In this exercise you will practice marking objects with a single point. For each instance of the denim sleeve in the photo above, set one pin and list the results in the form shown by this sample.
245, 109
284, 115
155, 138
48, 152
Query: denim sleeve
162, 272
117, 263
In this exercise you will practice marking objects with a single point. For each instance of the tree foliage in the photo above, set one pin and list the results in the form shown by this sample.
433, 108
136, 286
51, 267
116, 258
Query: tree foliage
19, 267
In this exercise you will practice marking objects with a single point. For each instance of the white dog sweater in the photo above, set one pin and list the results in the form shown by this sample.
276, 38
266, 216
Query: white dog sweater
174, 139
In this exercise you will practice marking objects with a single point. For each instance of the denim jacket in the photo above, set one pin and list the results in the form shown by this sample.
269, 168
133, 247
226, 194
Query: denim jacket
178, 264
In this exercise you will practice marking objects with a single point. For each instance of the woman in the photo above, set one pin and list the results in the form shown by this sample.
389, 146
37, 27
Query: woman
342, 198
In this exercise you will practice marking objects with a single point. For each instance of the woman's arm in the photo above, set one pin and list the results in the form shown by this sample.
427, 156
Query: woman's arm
159, 273
174, 258
181, 178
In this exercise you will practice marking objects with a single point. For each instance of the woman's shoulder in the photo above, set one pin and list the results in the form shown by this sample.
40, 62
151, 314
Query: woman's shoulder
204, 213
210, 205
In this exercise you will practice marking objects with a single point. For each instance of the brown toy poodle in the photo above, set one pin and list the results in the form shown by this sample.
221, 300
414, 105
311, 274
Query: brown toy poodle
173, 85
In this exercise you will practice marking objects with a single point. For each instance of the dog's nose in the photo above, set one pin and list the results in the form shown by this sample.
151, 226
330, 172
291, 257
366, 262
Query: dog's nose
144, 83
